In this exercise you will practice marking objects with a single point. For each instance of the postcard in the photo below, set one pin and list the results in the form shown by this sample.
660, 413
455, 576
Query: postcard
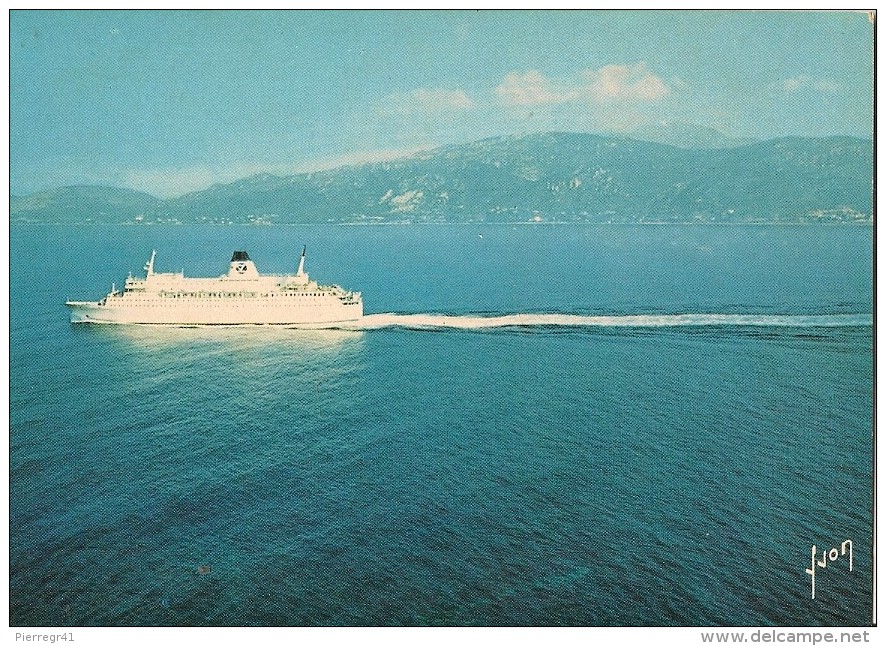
442, 318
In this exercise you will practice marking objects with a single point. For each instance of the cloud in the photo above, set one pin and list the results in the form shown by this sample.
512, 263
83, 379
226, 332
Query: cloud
178, 181
624, 82
610, 83
530, 88
358, 158
425, 101
806, 82
174, 182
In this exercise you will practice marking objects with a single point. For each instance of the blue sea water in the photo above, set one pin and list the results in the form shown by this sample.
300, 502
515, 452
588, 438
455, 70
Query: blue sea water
677, 415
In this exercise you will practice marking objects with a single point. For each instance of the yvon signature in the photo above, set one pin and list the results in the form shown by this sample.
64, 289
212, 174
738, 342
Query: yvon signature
828, 555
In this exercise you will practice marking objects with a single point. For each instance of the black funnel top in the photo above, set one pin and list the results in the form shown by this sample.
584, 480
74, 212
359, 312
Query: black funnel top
240, 255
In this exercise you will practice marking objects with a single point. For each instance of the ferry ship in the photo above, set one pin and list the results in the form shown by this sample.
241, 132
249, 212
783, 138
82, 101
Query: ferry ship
240, 297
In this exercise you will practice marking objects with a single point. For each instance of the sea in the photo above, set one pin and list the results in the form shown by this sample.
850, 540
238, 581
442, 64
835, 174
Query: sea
534, 425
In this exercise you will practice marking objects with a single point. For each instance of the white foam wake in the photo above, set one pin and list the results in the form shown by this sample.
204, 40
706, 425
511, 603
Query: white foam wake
470, 322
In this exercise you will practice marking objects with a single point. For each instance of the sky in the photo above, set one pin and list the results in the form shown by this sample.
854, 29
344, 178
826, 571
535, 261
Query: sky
169, 102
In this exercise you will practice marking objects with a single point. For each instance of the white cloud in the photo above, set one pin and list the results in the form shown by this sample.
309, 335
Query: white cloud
425, 101
806, 82
357, 158
169, 182
793, 84
529, 88
610, 83
624, 82
173, 182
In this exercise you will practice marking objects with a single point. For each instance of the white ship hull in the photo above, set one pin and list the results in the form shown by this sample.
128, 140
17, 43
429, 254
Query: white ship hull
194, 313
241, 297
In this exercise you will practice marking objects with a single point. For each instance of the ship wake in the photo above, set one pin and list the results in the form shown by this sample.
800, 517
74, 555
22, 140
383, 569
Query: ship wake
475, 322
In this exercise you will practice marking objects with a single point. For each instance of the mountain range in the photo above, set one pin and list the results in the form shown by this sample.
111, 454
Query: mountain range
562, 177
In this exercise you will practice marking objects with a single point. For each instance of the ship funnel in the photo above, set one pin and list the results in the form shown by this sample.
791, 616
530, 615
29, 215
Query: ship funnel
242, 267
301, 263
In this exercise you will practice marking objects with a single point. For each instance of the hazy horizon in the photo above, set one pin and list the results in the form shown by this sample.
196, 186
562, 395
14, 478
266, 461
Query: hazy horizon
346, 161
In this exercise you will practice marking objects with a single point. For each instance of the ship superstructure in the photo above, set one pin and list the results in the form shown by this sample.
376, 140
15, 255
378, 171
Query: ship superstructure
240, 297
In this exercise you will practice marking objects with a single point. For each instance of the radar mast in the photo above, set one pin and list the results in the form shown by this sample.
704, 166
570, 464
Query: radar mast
149, 267
301, 263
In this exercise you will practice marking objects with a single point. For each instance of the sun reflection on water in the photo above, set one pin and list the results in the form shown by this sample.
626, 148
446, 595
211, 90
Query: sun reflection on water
234, 338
